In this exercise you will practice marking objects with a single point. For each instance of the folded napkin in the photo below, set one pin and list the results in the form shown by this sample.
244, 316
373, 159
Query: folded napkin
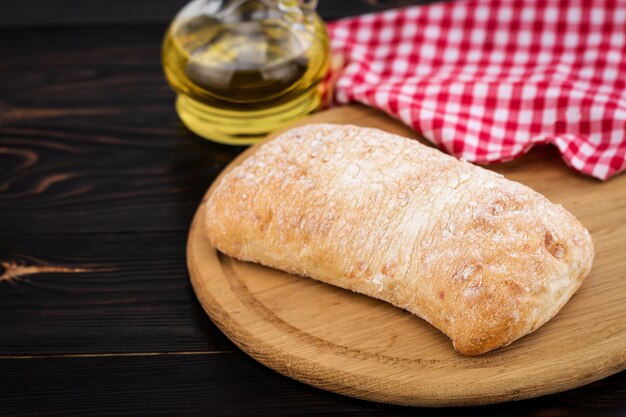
486, 80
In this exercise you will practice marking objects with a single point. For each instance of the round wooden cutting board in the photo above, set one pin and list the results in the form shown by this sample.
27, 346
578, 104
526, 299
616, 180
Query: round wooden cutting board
357, 346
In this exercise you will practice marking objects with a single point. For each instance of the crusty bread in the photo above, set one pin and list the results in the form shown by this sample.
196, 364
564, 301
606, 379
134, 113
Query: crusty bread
484, 259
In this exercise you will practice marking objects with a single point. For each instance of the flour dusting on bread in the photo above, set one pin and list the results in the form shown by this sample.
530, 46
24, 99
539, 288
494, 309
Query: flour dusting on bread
484, 259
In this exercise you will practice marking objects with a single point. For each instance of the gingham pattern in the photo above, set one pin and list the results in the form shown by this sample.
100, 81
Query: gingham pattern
488, 79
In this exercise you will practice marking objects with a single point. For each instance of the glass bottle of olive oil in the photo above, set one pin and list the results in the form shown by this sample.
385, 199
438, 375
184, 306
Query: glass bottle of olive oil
244, 68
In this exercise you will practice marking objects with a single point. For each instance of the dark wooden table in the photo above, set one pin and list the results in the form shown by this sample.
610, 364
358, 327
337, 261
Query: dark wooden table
98, 184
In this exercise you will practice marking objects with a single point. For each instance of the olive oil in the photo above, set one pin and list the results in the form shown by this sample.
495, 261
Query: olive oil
239, 78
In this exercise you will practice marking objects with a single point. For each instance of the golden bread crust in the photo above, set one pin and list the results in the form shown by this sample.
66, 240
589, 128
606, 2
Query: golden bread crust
484, 259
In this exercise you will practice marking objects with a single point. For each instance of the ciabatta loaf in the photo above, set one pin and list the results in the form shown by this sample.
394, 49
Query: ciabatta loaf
484, 259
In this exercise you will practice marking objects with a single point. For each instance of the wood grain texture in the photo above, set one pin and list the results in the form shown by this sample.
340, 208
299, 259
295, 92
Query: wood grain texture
127, 337
354, 345
110, 293
72, 12
89, 139
231, 384
98, 184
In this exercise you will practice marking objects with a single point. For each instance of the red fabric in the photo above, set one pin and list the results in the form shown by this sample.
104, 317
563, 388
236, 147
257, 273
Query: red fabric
487, 79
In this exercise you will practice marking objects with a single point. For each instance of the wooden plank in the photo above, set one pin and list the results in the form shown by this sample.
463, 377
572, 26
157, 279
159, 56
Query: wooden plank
70, 12
89, 138
55, 181
233, 385
98, 184
99, 294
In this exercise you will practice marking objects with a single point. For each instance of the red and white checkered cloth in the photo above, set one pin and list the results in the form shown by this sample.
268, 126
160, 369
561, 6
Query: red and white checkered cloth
486, 80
